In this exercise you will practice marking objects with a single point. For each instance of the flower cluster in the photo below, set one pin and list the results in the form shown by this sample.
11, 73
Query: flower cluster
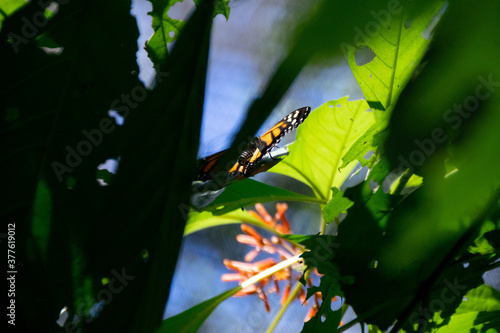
276, 247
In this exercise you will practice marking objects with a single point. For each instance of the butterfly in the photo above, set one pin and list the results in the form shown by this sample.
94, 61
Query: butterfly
255, 149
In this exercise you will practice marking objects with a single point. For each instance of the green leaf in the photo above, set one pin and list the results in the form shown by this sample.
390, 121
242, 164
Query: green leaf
438, 221
42, 121
319, 255
249, 192
459, 68
472, 322
371, 140
202, 220
321, 249
309, 241
191, 320
482, 298
105, 175
322, 140
397, 47
382, 79
326, 319
158, 130
56, 134
221, 7
445, 208
336, 205
481, 244
7, 7
167, 29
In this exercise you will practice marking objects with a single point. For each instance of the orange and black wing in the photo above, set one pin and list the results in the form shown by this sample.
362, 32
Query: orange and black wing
256, 149
207, 165
263, 144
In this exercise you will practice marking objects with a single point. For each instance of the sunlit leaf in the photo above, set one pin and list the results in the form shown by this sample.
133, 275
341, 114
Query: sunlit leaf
336, 205
249, 192
397, 46
199, 221
369, 141
8, 7
482, 298
472, 322
481, 244
167, 29
322, 140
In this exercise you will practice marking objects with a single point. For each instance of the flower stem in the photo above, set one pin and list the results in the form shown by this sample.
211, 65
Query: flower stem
291, 297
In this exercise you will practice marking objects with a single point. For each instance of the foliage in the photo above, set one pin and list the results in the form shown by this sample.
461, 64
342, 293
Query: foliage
419, 231
105, 254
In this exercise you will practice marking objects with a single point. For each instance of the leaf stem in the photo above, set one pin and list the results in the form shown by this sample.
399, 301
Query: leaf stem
322, 224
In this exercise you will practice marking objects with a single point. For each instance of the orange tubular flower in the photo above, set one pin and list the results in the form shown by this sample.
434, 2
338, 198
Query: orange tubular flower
266, 218
272, 246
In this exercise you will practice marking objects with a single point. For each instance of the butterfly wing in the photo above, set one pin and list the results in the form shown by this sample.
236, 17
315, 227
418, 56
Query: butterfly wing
273, 136
207, 166
256, 149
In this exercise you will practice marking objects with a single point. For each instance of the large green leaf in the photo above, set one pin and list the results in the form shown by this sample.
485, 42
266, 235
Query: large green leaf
482, 245
472, 322
460, 77
316, 36
8, 7
480, 307
50, 102
397, 45
321, 251
322, 140
191, 320
167, 128
447, 206
437, 222
84, 242
371, 140
199, 221
397, 48
326, 318
249, 192
482, 298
